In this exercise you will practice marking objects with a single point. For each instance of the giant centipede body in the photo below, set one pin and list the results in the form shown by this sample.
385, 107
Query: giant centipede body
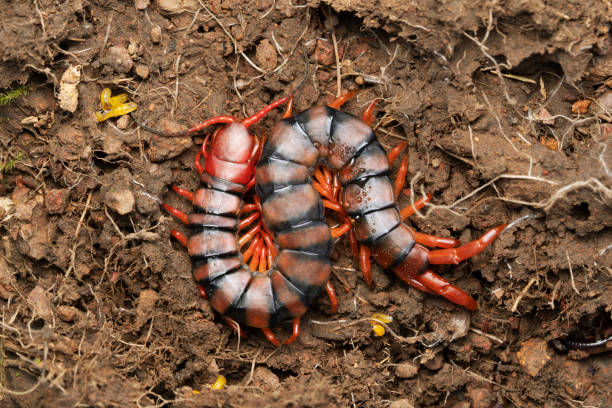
292, 209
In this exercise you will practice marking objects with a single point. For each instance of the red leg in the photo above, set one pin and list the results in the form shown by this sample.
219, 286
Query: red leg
341, 100
418, 285
366, 266
368, 114
295, 333
270, 336
289, 108
441, 287
179, 236
333, 299
400, 179
234, 326
433, 241
183, 193
198, 163
202, 291
259, 115
340, 230
247, 221
177, 213
395, 152
456, 255
412, 208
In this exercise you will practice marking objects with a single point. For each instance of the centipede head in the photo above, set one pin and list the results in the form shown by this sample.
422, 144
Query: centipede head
233, 153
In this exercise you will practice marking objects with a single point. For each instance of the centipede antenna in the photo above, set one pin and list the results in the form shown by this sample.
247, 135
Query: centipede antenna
212, 121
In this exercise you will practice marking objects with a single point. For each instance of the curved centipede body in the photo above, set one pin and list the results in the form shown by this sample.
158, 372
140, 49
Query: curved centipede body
292, 209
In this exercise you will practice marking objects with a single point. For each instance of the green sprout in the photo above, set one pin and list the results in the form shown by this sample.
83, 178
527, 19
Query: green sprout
10, 96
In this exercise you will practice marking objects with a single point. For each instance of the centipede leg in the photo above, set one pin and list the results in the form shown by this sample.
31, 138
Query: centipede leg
439, 286
183, 193
270, 336
259, 115
202, 291
412, 208
433, 241
368, 114
180, 237
341, 100
400, 179
365, 264
456, 255
333, 299
234, 326
295, 333
289, 108
395, 152
177, 213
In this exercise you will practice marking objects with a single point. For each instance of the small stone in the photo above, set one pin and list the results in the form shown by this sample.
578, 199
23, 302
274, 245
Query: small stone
406, 369
142, 4
57, 200
123, 122
265, 55
40, 303
177, 6
324, 53
155, 34
67, 313
119, 58
581, 106
142, 71
545, 116
121, 201
533, 356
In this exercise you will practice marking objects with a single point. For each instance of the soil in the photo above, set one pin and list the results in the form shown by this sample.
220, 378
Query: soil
507, 111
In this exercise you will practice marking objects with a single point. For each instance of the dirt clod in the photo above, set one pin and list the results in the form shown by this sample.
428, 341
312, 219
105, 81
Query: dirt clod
120, 200
144, 307
581, 106
56, 200
119, 59
266, 55
533, 356
406, 369
40, 303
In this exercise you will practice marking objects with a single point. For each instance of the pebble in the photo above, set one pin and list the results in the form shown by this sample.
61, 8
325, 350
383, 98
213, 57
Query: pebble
142, 4
142, 70
123, 122
324, 53
533, 356
155, 34
57, 200
581, 106
176, 6
406, 369
265, 55
120, 200
119, 58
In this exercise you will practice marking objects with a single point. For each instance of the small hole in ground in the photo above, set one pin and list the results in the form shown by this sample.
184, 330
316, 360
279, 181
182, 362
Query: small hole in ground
581, 211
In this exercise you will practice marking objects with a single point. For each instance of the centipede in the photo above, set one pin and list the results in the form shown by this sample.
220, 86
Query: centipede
263, 263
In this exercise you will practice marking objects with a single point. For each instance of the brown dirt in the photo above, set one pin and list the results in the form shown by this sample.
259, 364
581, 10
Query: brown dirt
98, 304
